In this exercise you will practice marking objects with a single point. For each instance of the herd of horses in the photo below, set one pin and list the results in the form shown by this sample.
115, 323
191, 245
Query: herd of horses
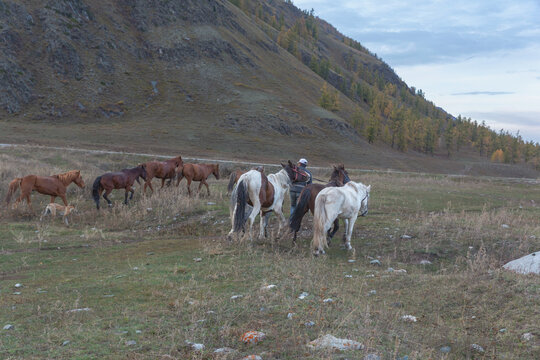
252, 193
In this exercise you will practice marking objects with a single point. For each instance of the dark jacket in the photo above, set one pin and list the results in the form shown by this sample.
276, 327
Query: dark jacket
298, 186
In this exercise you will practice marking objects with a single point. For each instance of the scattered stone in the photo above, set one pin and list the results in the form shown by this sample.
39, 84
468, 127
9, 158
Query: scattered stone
197, 259
65, 343
390, 269
527, 336
445, 349
253, 337
79, 310
290, 315
224, 350
348, 276
370, 275
425, 262
328, 301
406, 237
502, 330
505, 226
9, 327
195, 346
303, 295
138, 332
372, 357
331, 342
401, 271
234, 297
375, 262
210, 203
41, 291
478, 348
136, 268
131, 342
309, 324
409, 318
18, 285
108, 296
252, 357
351, 260
17, 293
372, 292
269, 287
529, 264
148, 209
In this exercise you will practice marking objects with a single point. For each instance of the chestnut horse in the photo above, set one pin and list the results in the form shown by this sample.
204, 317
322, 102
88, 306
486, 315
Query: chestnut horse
235, 175
162, 170
306, 201
53, 186
197, 172
122, 179
265, 194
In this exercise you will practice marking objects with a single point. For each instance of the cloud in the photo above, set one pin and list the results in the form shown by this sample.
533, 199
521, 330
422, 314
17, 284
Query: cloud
490, 93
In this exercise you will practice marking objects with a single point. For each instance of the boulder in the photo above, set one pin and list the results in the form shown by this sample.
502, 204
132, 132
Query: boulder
529, 264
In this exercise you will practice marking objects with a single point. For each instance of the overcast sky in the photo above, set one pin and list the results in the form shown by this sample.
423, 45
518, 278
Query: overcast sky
477, 58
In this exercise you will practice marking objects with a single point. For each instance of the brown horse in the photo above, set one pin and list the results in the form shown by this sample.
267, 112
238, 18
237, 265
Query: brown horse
122, 179
162, 170
306, 201
235, 175
53, 186
197, 172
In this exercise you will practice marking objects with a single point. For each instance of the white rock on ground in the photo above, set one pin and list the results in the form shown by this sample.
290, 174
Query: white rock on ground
409, 318
529, 264
527, 336
478, 348
225, 350
303, 295
195, 346
252, 357
331, 342
9, 327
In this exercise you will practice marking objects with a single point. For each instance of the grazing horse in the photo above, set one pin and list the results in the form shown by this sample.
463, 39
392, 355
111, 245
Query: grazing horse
53, 186
197, 172
235, 175
338, 202
162, 170
122, 179
306, 201
265, 194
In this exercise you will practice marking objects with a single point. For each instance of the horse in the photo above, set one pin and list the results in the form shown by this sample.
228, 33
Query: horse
306, 201
53, 186
235, 175
162, 170
338, 202
265, 194
197, 172
123, 179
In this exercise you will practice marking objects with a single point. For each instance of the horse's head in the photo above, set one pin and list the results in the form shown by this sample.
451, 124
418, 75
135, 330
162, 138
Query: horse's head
78, 180
295, 174
215, 170
340, 175
142, 171
178, 162
365, 202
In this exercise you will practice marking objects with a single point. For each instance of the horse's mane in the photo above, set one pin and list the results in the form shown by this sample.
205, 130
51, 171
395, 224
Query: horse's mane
67, 176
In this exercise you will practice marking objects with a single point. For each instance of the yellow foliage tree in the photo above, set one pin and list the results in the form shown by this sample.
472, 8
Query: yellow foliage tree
329, 99
498, 156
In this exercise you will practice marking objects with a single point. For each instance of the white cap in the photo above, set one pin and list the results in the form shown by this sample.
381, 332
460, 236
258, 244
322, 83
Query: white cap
303, 161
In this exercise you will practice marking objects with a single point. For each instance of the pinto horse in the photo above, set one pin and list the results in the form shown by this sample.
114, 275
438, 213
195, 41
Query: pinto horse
162, 170
197, 172
338, 202
53, 186
306, 201
235, 175
122, 179
265, 194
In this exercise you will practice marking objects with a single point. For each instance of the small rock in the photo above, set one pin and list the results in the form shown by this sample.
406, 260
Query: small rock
409, 318
351, 260
372, 357
370, 275
18, 285
224, 350
400, 271
253, 337
195, 346
252, 357
445, 349
390, 269
269, 287
234, 297
138, 332
210, 203
290, 315
331, 342
502, 330
108, 296
78, 310
9, 327
425, 262
303, 295
406, 237
136, 268
131, 342
197, 259
375, 262
328, 301
505, 226
309, 324
148, 209
373, 292
348, 276
527, 336
478, 348
17, 293
66, 343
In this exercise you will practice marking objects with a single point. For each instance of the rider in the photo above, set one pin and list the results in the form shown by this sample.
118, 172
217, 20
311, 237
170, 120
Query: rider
297, 187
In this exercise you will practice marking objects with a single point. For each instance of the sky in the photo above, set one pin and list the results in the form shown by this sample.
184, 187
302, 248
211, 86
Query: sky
476, 58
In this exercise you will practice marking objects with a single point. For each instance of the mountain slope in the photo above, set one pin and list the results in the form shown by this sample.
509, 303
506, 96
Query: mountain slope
199, 77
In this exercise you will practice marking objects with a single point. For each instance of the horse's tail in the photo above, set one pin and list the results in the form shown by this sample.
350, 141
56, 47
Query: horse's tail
95, 190
301, 209
320, 218
240, 210
13, 186
232, 181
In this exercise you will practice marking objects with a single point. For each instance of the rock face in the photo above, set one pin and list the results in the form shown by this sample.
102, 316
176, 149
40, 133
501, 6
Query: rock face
529, 264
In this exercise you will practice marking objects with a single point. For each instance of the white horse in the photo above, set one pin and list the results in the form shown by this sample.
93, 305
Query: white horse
338, 202
265, 194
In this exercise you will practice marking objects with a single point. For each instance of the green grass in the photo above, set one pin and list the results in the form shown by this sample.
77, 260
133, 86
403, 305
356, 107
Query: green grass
141, 282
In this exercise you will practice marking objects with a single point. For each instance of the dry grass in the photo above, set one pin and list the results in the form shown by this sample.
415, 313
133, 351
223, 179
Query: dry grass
135, 269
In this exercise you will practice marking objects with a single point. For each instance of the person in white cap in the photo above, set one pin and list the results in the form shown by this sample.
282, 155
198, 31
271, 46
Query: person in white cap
297, 187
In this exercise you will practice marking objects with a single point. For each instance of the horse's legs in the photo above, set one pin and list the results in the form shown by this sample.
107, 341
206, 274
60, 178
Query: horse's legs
149, 184
29, 202
132, 192
256, 209
350, 225
162, 183
206, 184
180, 176
265, 216
125, 197
332, 231
200, 186
346, 221
107, 192
63, 197
188, 185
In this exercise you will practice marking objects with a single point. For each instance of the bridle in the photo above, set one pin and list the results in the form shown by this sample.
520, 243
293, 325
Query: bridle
365, 197
299, 172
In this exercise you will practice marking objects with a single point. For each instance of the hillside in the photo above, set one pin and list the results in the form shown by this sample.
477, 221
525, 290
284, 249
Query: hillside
239, 79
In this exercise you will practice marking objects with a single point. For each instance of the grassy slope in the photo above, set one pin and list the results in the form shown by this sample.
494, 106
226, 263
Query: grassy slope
145, 259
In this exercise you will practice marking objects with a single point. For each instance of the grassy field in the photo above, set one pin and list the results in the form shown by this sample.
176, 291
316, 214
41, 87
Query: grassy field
133, 275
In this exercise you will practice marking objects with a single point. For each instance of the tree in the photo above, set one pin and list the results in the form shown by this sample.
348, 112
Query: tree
329, 100
498, 156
